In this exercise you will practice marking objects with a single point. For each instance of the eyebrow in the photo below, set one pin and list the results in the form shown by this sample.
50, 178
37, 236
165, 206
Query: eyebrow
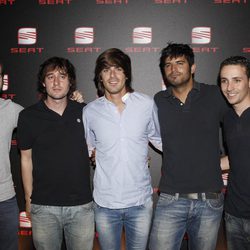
61, 73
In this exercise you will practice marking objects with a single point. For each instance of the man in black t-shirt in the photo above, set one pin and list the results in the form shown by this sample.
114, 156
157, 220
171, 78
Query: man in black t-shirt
235, 85
190, 114
55, 162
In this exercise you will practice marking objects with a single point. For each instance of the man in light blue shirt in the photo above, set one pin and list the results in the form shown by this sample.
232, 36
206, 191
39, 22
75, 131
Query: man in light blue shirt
119, 126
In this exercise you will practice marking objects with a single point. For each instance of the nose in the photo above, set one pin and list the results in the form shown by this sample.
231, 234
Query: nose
112, 72
230, 86
56, 80
173, 68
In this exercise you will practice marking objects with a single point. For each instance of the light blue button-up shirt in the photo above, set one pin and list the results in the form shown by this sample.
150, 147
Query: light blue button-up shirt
122, 178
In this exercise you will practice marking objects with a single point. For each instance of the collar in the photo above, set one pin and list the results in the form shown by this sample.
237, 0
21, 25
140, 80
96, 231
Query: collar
124, 98
168, 92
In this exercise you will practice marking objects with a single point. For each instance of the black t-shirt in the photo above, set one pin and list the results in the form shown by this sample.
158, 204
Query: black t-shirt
61, 172
190, 136
237, 138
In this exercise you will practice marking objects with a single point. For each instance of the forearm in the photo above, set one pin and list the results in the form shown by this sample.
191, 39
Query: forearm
224, 163
26, 168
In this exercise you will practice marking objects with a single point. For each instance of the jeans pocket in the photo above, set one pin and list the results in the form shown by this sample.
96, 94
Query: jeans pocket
165, 199
216, 203
36, 209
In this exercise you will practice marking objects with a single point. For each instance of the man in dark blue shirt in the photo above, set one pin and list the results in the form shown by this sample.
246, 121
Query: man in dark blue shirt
190, 114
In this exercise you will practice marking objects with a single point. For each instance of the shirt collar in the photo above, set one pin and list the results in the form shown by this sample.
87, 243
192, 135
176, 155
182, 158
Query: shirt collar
124, 98
196, 87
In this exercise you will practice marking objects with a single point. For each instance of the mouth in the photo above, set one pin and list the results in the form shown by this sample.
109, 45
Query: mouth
113, 83
57, 90
174, 75
231, 94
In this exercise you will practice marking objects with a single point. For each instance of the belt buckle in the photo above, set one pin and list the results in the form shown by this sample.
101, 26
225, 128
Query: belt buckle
193, 196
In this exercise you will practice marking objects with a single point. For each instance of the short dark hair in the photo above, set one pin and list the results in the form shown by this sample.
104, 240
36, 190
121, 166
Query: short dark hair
111, 57
174, 50
51, 64
237, 60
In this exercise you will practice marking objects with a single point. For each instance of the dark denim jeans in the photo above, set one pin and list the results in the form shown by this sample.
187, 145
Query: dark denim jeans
174, 216
238, 232
9, 214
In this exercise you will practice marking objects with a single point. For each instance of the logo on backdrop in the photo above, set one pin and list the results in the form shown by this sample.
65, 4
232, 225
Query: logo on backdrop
53, 2
5, 83
111, 1
24, 220
142, 35
230, 1
7, 2
201, 36
26, 36
84, 35
246, 50
5, 87
170, 1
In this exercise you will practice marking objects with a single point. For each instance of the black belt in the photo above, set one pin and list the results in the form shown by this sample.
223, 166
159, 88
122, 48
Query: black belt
197, 196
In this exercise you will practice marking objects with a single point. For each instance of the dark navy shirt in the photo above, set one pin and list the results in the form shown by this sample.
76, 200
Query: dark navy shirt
190, 137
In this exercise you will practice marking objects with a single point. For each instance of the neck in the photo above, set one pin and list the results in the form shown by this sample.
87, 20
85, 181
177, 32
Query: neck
181, 92
117, 100
57, 106
241, 107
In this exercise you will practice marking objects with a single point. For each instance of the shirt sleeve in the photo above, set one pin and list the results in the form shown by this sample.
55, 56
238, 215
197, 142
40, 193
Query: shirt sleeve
224, 106
154, 134
89, 135
24, 134
17, 110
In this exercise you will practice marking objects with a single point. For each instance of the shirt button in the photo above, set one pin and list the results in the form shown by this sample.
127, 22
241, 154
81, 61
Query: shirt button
181, 103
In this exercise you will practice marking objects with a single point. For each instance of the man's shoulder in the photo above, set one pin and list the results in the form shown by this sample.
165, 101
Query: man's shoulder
161, 95
31, 109
141, 96
76, 105
209, 88
10, 104
97, 103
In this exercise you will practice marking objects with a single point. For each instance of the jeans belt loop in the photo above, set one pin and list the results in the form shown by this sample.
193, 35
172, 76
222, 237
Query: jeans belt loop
203, 196
176, 196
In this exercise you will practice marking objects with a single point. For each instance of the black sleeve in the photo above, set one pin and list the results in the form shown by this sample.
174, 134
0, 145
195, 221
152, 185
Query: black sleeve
24, 134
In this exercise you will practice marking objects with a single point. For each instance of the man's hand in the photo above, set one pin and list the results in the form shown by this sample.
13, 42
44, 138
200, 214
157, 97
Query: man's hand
77, 96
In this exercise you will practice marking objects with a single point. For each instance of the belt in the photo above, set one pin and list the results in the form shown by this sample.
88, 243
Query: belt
197, 196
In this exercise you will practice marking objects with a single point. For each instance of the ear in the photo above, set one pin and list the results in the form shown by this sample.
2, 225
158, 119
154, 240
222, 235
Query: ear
193, 68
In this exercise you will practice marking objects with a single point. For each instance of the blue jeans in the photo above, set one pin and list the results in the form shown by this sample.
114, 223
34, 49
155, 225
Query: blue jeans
135, 220
50, 222
9, 224
174, 216
238, 232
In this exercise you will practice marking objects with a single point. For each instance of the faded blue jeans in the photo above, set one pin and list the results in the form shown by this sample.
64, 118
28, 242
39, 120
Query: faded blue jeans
174, 216
50, 222
9, 224
238, 232
135, 220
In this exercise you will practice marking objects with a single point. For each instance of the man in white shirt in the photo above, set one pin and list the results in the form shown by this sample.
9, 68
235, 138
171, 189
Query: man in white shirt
119, 126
